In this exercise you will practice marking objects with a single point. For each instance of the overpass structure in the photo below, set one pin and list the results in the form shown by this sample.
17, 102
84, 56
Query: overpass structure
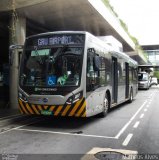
21, 18
34, 16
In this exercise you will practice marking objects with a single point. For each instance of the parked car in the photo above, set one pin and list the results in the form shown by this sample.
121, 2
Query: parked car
154, 81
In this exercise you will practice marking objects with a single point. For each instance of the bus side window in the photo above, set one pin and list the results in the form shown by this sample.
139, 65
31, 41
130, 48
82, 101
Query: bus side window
92, 73
102, 72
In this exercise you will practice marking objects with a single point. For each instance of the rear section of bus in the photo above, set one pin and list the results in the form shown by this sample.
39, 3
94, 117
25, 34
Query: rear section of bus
50, 78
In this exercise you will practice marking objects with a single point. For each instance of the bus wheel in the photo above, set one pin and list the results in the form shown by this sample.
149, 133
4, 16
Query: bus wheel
131, 96
105, 107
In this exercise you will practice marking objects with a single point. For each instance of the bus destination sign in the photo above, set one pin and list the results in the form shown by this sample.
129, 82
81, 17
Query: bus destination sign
60, 39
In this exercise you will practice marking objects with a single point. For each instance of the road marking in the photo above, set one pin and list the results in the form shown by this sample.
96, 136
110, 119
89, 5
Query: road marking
64, 133
148, 106
11, 117
142, 115
149, 103
127, 140
128, 123
145, 110
14, 128
136, 124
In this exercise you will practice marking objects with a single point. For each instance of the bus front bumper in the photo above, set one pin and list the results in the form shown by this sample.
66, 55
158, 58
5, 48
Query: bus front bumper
77, 109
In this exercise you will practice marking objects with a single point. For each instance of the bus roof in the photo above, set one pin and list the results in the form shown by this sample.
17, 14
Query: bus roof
110, 48
59, 32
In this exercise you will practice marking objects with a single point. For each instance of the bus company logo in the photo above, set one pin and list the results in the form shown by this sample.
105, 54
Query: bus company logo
45, 89
45, 100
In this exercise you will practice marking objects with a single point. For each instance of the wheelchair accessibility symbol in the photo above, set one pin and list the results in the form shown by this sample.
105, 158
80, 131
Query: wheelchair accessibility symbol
51, 80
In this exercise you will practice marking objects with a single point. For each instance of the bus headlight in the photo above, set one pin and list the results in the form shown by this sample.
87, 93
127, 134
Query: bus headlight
22, 97
75, 97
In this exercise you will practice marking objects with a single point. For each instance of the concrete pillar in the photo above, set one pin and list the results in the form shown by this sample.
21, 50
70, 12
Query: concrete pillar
17, 36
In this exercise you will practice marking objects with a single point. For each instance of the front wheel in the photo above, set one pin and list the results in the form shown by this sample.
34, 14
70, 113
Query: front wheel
105, 107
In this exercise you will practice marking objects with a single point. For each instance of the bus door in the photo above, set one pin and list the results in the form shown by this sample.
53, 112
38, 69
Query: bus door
127, 80
114, 80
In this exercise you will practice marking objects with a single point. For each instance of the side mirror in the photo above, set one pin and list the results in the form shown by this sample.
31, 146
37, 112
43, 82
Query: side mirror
12, 50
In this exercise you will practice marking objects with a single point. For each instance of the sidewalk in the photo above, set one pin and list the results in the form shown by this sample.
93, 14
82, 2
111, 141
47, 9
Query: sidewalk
7, 112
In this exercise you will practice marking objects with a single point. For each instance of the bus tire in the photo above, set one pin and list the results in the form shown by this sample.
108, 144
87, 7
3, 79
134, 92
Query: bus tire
131, 96
105, 107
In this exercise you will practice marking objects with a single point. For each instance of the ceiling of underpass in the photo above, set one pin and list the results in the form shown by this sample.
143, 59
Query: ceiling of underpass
57, 15
53, 15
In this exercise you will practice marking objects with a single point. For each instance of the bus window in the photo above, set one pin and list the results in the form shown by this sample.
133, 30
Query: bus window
102, 72
92, 73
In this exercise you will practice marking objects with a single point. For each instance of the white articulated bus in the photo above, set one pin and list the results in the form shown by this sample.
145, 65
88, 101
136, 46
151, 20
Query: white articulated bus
73, 73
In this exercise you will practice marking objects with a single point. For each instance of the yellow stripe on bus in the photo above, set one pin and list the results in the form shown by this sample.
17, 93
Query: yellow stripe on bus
20, 110
84, 114
21, 104
52, 108
34, 108
75, 108
28, 107
81, 109
40, 108
66, 109
58, 110
45, 107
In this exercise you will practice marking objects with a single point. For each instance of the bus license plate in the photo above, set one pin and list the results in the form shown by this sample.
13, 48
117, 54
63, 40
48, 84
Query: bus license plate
46, 113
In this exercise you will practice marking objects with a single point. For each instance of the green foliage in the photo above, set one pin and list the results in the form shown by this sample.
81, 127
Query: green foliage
107, 3
123, 24
156, 74
125, 27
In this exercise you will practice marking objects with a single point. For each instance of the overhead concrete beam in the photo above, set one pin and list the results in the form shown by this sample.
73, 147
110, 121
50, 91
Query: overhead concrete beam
7, 5
89, 15
138, 56
112, 20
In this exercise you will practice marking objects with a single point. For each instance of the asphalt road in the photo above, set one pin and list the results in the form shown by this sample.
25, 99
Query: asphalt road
130, 128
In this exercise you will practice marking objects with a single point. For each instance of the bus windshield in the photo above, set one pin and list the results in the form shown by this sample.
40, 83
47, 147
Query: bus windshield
143, 77
51, 66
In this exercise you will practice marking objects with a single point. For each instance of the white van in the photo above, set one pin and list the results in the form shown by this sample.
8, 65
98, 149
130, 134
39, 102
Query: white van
154, 81
144, 80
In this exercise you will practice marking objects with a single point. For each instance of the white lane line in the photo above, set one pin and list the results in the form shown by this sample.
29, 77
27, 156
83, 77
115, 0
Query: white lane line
148, 106
149, 103
8, 130
136, 124
128, 123
142, 115
127, 140
11, 117
145, 110
65, 133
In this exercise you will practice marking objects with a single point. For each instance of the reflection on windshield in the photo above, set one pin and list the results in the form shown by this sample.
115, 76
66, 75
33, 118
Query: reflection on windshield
142, 77
58, 66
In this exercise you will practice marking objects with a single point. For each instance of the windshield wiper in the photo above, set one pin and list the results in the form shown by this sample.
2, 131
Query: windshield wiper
37, 53
62, 51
